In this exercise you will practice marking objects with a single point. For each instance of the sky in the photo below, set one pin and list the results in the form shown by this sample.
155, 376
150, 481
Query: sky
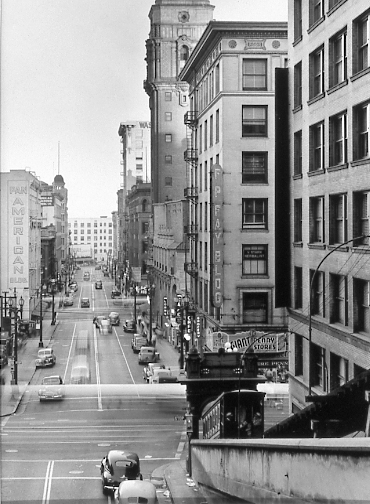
71, 72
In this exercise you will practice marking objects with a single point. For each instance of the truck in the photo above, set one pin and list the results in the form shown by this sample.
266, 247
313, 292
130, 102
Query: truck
138, 341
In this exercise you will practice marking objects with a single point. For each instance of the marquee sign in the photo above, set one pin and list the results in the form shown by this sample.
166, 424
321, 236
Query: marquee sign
257, 341
18, 247
217, 243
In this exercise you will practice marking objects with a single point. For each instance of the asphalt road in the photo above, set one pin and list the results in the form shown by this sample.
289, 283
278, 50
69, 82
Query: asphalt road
51, 451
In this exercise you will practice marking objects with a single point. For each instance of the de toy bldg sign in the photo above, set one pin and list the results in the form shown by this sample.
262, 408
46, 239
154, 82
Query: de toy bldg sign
18, 246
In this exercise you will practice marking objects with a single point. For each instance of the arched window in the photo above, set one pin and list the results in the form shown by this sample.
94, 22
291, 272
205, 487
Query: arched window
184, 55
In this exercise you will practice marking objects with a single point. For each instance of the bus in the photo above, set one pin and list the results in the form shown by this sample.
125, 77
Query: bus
238, 414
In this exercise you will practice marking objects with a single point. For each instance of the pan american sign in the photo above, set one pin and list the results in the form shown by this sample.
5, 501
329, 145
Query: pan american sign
18, 233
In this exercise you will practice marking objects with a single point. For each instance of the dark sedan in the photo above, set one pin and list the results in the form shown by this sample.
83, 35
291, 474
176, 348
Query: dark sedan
115, 293
129, 326
118, 466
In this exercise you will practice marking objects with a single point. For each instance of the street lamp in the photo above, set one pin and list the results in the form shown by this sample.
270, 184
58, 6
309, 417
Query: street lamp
310, 302
151, 289
41, 344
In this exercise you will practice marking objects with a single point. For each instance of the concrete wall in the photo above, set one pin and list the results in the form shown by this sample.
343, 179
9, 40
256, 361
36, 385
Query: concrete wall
334, 469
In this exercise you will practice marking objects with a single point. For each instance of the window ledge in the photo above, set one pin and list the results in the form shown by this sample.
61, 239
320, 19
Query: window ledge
360, 74
297, 108
360, 162
335, 7
313, 173
316, 98
297, 176
254, 230
337, 86
337, 167
317, 246
361, 249
247, 277
297, 40
341, 249
297, 244
316, 24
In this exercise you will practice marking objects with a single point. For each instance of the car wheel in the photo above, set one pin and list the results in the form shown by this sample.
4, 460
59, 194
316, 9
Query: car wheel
105, 491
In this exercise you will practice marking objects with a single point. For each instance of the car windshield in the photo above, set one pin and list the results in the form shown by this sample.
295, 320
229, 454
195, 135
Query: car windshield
52, 380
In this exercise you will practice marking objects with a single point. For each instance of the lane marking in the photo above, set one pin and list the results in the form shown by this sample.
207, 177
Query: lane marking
47, 485
124, 356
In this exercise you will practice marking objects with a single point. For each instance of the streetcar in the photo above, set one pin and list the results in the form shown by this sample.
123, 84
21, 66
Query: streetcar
238, 414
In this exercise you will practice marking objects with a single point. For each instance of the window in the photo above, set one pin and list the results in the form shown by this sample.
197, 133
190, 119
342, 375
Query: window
317, 293
361, 217
297, 19
82, 231
361, 131
217, 79
82, 224
168, 96
338, 299
298, 352
338, 59
168, 159
211, 131
338, 371
217, 125
168, 116
297, 220
254, 213
361, 305
338, 219
254, 167
361, 42
168, 181
338, 139
254, 121
139, 167
200, 138
205, 135
254, 259
317, 220
298, 153
317, 72
89, 231
205, 256
318, 366
75, 231
184, 55
255, 307
316, 10
88, 224
317, 153
298, 84
254, 74
205, 175
298, 288
168, 137
205, 216
200, 216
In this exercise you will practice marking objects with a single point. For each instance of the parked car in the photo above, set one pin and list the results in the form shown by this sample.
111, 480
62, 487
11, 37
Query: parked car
147, 354
85, 303
51, 388
73, 286
86, 276
105, 327
98, 267
148, 370
162, 376
116, 466
114, 318
80, 374
98, 284
129, 326
136, 491
68, 301
115, 293
137, 342
45, 357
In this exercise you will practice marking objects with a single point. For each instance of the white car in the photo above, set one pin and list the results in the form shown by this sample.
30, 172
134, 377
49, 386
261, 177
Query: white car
162, 376
52, 388
45, 357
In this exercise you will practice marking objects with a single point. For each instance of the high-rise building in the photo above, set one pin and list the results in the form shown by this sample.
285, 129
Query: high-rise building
91, 238
175, 28
330, 194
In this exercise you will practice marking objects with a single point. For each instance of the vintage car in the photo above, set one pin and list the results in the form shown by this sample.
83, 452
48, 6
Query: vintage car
136, 491
115, 293
86, 275
117, 466
129, 326
73, 286
162, 376
97, 320
68, 301
147, 354
105, 326
45, 357
85, 303
98, 284
148, 370
51, 389
114, 318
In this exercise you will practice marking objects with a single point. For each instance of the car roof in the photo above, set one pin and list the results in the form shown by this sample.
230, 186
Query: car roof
53, 377
114, 313
137, 488
114, 455
45, 350
85, 299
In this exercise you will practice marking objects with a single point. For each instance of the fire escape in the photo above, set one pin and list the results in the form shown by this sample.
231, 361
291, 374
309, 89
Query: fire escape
191, 191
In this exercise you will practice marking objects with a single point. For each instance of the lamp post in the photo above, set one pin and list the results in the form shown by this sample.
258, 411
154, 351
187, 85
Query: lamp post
308, 398
181, 316
41, 344
151, 293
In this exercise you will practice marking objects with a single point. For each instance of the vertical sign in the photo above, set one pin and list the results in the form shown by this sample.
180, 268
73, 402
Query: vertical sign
217, 242
18, 247
165, 306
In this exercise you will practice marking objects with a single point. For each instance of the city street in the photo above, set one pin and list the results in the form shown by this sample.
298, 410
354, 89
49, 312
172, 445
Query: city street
52, 450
